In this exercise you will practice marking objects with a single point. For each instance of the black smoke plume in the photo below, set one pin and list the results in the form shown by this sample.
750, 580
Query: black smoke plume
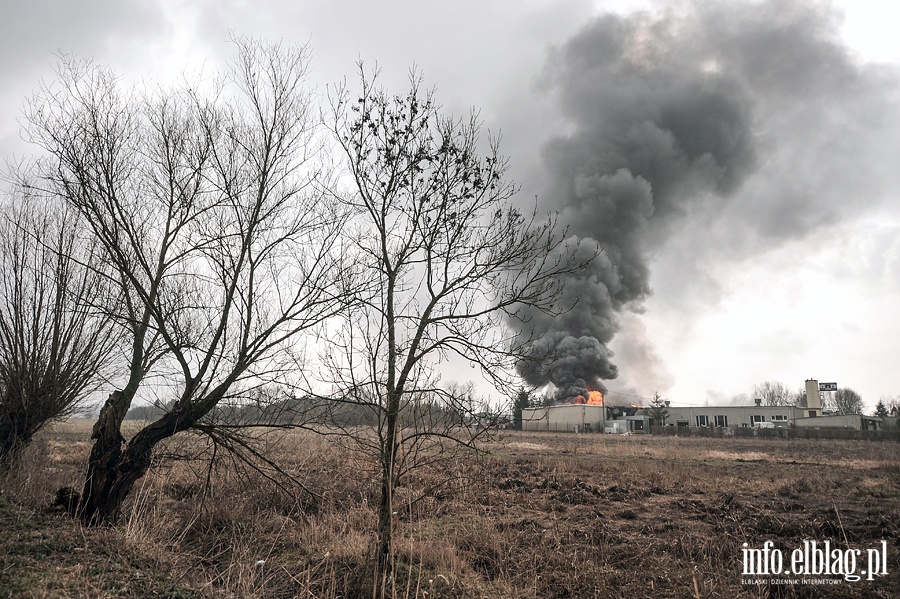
711, 115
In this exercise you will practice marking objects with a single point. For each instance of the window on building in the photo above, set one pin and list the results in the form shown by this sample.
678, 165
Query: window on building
721, 421
703, 420
682, 423
758, 418
779, 418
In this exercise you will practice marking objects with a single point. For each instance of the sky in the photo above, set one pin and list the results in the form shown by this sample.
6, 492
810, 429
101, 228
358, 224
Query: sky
734, 159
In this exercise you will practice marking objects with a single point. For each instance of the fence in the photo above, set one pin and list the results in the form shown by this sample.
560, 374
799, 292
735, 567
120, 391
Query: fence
778, 433
558, 427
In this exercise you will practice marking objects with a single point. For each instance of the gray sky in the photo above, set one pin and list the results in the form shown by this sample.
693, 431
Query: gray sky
765, 245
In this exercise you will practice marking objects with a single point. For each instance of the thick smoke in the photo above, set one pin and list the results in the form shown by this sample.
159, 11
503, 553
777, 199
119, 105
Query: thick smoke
746, 118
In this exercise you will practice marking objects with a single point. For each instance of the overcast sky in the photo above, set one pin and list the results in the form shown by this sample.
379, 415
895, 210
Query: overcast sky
735, 159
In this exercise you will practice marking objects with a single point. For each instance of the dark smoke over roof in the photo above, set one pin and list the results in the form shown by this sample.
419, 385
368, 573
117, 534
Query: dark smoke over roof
747, 124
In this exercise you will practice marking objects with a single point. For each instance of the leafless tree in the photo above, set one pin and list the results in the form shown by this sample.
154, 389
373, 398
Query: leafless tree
54, 336
446, 256
846, 401
209, 202
891, 403
778, 394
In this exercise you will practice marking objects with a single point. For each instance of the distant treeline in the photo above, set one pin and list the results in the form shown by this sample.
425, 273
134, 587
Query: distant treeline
313, 411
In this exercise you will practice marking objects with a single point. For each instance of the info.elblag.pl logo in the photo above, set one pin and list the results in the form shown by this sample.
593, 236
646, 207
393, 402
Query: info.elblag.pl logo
816, 559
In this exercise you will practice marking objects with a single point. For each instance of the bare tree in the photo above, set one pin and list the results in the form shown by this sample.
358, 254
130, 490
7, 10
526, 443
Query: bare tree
846, 401
891, 403
798, 398
446, 255
778, 394
54, 338
208, 201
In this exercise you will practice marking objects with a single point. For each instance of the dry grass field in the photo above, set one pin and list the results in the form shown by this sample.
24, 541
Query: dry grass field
539, 515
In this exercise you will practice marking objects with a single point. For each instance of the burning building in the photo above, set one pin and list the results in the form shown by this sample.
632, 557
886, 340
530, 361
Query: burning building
582, 415
590, 414
591, 398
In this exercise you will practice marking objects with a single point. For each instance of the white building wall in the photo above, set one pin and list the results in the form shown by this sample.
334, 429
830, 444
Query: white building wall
737, 416
564, 418
854, 421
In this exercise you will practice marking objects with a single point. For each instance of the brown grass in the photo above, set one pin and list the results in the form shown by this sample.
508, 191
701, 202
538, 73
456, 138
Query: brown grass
543, 515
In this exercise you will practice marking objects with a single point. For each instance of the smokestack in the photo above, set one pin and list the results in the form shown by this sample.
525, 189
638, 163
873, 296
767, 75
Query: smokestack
758, 401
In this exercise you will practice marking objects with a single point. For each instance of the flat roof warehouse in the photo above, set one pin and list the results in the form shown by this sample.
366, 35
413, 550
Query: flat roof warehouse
625, 419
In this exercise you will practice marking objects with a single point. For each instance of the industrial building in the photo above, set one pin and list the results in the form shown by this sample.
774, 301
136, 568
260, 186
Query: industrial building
601, 418
725, 416
858, 422
566, 418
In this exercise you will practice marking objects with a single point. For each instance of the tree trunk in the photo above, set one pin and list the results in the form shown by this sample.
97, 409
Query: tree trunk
14, 437
385, 523
18, 426
386, 505
112, 479
113, 471
105, 454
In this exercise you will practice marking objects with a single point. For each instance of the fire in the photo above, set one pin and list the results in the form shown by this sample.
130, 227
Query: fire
594, 398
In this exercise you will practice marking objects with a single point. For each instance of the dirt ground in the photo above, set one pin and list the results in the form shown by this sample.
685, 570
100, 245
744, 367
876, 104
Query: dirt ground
539, 515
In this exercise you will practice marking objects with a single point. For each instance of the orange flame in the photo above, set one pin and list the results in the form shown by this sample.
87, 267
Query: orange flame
594, 398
